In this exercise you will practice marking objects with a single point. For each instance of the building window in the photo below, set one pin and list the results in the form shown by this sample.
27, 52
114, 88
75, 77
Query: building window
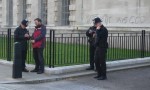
1, 2
65, 12
28, 6
44, 11
24, 9
28, 12
0, 11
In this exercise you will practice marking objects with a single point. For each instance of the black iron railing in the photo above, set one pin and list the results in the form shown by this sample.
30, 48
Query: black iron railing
64, 49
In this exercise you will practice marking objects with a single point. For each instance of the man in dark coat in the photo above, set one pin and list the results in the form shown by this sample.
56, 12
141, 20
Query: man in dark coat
21, 35
91, 34
101, 49
38, 44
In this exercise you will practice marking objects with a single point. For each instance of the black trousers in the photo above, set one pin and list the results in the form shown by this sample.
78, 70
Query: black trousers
100, 61
92, 53
24, 56
39, 59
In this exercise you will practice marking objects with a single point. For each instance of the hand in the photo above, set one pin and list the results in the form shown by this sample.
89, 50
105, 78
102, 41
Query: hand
27, 35
90, 31
98, 27
32, 41
94, 35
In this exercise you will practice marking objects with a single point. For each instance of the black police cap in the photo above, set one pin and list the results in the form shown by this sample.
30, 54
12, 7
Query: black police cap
97, 20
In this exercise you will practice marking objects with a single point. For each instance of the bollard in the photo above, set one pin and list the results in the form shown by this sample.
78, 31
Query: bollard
17, 64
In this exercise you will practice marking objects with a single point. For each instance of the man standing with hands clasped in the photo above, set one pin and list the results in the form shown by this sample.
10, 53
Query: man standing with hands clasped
38, 44
101, 49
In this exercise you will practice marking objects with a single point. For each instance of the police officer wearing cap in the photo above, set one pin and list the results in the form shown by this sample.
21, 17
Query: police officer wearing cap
91, 34
21, 35
101, 46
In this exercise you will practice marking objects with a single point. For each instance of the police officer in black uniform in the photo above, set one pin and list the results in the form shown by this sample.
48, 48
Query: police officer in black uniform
21, 35
101, 49
91, 33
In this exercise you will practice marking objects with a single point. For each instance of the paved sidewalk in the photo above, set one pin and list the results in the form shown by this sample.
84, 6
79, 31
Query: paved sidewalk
132, 79
6, 75
33, 78
61, 73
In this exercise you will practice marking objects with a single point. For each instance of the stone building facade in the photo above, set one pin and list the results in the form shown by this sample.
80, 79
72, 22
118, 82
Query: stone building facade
116, 14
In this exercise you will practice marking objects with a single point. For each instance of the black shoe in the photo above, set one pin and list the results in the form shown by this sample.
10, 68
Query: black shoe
40, 72
25, 70
35, 70
95, 70
97, 77
90, 68
102, 78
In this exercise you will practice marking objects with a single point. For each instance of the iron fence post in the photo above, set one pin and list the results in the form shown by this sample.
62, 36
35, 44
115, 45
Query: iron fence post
143, 44
9, 45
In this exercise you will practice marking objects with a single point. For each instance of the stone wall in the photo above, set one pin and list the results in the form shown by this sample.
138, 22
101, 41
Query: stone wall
125, 15
118, 13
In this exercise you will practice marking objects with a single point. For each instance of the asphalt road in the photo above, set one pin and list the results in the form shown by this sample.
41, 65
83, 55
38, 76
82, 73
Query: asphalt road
133, 79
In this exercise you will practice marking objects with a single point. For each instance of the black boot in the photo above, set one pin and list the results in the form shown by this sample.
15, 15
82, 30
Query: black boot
98, 76
25, 70
40, 72
102, 78
90, 68
35, 70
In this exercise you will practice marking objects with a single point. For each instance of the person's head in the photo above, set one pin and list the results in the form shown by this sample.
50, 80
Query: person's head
38, 21
97, 21
24, 23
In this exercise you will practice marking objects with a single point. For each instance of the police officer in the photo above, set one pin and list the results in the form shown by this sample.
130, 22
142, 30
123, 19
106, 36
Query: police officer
21, 35
101, 49
91, 34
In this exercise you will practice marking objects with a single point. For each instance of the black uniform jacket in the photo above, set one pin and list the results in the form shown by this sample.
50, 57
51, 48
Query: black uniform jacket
101, 37
19, 37
90, 35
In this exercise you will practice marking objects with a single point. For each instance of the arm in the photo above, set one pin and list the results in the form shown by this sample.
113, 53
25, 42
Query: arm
43, 34
97, 38
88, 34
17, 36
101, 36
28, 38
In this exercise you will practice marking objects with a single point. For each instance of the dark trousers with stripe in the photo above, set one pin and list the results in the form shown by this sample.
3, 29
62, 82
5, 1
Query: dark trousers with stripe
100, 61
92, 52
24, 56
